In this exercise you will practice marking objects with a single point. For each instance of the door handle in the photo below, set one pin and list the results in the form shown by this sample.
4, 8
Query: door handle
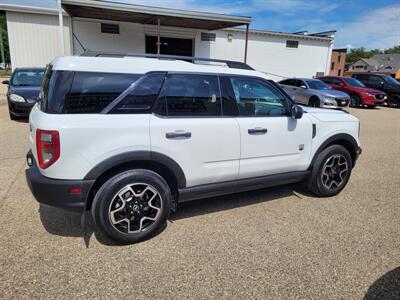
257, 131
178, 135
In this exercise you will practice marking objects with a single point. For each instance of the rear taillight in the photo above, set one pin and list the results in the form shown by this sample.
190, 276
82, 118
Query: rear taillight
48, 147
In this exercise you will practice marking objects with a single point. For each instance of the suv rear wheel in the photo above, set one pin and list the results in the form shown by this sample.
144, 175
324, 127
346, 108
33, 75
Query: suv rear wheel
132, 206
331, 171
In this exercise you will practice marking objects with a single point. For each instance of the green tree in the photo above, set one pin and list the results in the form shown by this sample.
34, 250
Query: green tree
393, 50
4, 35
357, 53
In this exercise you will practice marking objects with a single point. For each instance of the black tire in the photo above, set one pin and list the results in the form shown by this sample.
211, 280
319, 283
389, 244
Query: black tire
371, 106
106, 199
393, 101
315, 183
314, 102
355, 100
12, 116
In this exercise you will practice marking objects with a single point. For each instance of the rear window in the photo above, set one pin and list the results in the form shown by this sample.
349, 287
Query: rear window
82, 92
27, 77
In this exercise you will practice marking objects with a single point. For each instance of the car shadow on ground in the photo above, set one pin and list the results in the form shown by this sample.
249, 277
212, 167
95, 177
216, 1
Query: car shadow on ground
386, 287
68, 224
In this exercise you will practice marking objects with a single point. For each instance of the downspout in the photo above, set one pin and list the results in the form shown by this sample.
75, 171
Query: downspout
246, 43
328, 58
61, 26
158, 36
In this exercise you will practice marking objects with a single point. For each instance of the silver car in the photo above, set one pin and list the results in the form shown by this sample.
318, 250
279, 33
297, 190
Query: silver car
314, 92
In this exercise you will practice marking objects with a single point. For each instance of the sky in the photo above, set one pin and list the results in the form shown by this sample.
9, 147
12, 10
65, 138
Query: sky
359, 23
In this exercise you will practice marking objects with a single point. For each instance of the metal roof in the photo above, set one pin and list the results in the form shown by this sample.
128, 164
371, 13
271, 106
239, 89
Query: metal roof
123, 12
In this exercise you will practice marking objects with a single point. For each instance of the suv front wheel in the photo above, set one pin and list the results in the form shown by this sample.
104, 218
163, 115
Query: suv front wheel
132, 206
331, 171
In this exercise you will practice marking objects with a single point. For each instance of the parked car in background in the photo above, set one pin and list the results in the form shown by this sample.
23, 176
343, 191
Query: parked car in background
384, 83
23, 91
314, 92
359, 94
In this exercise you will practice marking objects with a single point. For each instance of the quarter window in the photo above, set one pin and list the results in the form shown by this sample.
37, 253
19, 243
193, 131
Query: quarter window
91, 92
190, 95
256, 97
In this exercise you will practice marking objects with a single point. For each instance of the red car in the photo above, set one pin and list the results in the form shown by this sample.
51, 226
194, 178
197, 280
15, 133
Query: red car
359, 94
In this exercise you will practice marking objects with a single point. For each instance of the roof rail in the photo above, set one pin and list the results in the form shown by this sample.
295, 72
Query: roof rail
229, 63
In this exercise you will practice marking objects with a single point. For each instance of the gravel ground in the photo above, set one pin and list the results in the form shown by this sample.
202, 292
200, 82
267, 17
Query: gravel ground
275, 243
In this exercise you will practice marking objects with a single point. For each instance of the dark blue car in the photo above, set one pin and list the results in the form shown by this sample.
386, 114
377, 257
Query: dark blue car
23, 91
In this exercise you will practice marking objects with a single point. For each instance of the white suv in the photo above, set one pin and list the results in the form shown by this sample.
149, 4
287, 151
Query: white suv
130, 137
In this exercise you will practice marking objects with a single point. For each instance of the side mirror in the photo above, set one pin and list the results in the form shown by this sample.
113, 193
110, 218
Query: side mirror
7, 82
296, 112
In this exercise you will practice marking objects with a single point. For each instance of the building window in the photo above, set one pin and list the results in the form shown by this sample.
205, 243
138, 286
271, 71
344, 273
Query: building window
339, 72
208, 37
338, 59
109, 28
292, 44
332, 65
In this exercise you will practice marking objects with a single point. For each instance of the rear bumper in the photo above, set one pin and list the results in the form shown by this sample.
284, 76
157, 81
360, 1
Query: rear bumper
57, 192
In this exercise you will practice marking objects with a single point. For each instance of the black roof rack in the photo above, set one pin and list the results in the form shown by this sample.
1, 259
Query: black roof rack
229, 63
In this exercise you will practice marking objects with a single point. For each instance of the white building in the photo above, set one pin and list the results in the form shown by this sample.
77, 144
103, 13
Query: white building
35, 36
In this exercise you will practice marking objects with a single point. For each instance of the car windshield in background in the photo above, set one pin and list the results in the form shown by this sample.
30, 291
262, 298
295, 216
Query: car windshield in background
354, 82
27, 78
391, 80
317, 85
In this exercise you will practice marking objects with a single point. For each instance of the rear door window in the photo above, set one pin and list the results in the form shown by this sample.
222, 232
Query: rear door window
190, 95
91, 92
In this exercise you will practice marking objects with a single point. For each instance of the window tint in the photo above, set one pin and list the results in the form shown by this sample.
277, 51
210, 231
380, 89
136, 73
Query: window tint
336, 81
256, 97
300, 83
191, 95
327, 80
55, 86
288, 82
375, 80
142, 96
91, 91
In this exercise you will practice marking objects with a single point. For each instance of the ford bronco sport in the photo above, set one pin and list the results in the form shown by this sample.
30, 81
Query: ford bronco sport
129, 137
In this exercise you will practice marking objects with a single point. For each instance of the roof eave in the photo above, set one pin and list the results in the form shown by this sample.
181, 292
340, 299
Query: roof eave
159, 11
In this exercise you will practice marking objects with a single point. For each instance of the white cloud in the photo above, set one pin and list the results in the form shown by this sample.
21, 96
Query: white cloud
379, 28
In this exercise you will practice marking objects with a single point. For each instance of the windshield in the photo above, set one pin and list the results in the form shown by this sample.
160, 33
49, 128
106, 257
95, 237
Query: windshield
391, 80
354, 82
27, 78
317, 85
